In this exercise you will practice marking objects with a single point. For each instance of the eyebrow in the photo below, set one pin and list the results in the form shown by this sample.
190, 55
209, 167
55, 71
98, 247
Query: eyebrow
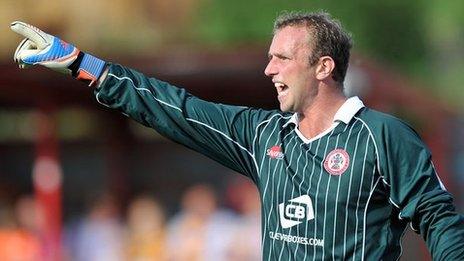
278, 55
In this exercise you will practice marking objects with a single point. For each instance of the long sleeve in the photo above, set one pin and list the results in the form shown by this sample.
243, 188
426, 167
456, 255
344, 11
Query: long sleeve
417, 192
222, 132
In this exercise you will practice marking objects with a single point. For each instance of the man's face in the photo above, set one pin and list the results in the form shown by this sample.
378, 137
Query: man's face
289, 68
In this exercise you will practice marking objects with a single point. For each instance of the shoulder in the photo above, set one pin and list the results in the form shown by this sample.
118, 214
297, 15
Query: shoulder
388, 129
261, 116
380, 122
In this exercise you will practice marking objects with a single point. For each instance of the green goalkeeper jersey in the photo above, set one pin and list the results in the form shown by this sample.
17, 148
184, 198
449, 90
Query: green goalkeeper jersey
347, 194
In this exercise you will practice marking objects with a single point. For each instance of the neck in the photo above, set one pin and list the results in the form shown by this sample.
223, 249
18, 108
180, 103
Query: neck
318, 116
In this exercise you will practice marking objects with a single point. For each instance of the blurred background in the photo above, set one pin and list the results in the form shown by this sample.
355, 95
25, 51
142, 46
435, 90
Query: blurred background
79, 182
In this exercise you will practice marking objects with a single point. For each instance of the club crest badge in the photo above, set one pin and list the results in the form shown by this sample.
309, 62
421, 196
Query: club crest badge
336, 162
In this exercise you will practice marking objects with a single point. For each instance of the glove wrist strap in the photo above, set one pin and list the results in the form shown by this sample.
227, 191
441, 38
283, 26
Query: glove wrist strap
87, 68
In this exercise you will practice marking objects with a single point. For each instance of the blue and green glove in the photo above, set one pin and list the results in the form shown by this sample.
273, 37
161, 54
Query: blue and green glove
47, 50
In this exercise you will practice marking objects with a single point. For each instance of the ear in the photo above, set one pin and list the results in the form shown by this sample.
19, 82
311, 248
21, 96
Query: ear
324, 68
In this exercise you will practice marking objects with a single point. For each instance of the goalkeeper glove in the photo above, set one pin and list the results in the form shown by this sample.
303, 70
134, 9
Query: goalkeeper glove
41, 48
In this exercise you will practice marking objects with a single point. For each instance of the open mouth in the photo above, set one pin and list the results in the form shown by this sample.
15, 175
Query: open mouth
282, 89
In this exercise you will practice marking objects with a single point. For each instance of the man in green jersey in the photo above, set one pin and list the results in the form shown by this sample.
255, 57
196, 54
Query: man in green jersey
337, 180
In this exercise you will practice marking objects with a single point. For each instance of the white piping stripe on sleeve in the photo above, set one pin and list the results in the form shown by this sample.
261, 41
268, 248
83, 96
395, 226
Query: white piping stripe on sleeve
365, 215
372, 189
98, 100
378, 158
401, 240
412, 227
394, 204
179, 109
385, 182
122, 78
222, 133
438, 177
145, 89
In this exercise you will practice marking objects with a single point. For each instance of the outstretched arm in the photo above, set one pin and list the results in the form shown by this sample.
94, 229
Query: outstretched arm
224, 133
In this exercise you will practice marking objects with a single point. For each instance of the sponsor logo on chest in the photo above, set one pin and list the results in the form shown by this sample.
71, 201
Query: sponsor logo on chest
296, 211
275, 152
293, 212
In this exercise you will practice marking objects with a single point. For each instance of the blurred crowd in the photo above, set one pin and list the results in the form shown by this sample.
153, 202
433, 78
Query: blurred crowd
201, 228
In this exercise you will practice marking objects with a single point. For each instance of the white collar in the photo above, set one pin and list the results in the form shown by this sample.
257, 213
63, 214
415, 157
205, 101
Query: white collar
344, 114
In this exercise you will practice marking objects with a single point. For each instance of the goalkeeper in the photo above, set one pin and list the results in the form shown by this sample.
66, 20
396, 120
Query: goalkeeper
337, 180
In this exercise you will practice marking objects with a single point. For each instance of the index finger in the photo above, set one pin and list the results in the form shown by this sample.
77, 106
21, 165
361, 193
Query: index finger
33, 33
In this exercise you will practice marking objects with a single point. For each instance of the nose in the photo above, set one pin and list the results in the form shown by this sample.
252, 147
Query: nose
270, 69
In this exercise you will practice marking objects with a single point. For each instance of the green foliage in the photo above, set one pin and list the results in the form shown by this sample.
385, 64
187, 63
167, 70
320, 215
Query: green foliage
390, 30
406, 35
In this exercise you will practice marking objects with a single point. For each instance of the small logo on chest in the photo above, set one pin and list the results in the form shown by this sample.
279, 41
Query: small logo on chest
336, 162
275, 152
